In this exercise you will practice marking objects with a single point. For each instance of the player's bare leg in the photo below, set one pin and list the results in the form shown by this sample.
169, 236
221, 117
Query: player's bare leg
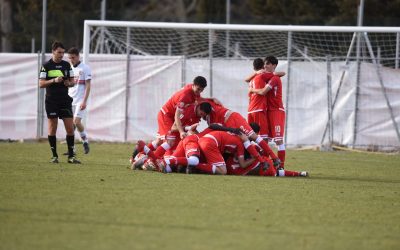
264, 145
212, 169
81, 129
284, 172
281, 152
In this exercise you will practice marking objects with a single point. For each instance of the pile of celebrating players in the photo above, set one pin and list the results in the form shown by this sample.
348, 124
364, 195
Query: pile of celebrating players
230, 144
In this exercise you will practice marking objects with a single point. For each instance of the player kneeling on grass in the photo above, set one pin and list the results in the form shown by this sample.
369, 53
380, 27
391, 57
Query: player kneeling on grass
214, 144
190, 119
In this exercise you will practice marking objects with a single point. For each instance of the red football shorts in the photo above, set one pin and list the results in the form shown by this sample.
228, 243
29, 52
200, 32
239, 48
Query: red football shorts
261, 119
180, 150
276, 121
188, 147
211, 152
164, 124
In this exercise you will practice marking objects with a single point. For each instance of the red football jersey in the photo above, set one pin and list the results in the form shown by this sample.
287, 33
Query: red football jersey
180, 100
189, 117
227, 142
274, 96
217, 114
258, 102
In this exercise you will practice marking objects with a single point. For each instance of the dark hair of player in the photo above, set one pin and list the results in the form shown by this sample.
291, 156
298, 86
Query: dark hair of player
73, 51
57, 45
205, 107
272, 60
255, 127
258, 64
200, 81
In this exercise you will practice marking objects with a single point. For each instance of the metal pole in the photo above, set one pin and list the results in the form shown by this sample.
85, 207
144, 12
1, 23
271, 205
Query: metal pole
289, 54
360, 13
33, 45
305, 52
340, 81
183, 70
86, 43
40, 116
44, 25
237, 48
128, 60
396, 63
329, 94
358, 74
169, 49
228, 21
102, 17
210, 59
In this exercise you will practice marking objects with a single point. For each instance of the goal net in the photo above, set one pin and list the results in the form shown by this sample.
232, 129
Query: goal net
340, 88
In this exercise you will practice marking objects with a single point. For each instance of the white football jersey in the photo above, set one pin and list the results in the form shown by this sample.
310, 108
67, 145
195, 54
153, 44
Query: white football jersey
82, 72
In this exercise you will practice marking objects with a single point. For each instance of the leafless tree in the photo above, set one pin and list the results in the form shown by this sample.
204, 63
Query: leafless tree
5, 25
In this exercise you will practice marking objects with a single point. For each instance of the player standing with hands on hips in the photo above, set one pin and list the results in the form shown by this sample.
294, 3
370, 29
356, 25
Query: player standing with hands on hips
56, 76
80, 93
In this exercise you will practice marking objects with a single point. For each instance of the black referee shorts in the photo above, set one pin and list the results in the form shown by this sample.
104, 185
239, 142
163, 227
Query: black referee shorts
59, 109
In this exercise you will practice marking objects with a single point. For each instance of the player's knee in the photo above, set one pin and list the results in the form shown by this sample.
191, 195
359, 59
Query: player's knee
220, 170
77, 121
70, 131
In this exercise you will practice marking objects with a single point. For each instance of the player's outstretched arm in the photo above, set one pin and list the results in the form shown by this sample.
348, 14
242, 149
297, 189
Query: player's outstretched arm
279, 73
262, 91
245, 163
178, 123
211, 99
250, 77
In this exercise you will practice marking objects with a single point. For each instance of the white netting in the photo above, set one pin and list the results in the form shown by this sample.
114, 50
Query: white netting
240, 43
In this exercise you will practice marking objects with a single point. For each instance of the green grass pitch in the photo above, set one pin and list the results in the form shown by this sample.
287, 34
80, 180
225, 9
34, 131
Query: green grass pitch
351, 201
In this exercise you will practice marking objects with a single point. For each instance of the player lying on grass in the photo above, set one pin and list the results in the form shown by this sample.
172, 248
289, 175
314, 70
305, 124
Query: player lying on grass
208, 145
255, 167
217, 152
228, 118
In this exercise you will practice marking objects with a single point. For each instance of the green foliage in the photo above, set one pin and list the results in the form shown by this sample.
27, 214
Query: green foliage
65, 18
349, 202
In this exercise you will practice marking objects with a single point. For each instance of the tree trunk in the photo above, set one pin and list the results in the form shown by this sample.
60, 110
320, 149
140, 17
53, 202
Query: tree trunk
5, 25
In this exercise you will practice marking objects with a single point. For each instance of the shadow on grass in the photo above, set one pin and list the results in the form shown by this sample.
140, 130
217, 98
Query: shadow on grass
50, 217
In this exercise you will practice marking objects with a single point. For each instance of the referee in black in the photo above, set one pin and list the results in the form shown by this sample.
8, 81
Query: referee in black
57, 76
